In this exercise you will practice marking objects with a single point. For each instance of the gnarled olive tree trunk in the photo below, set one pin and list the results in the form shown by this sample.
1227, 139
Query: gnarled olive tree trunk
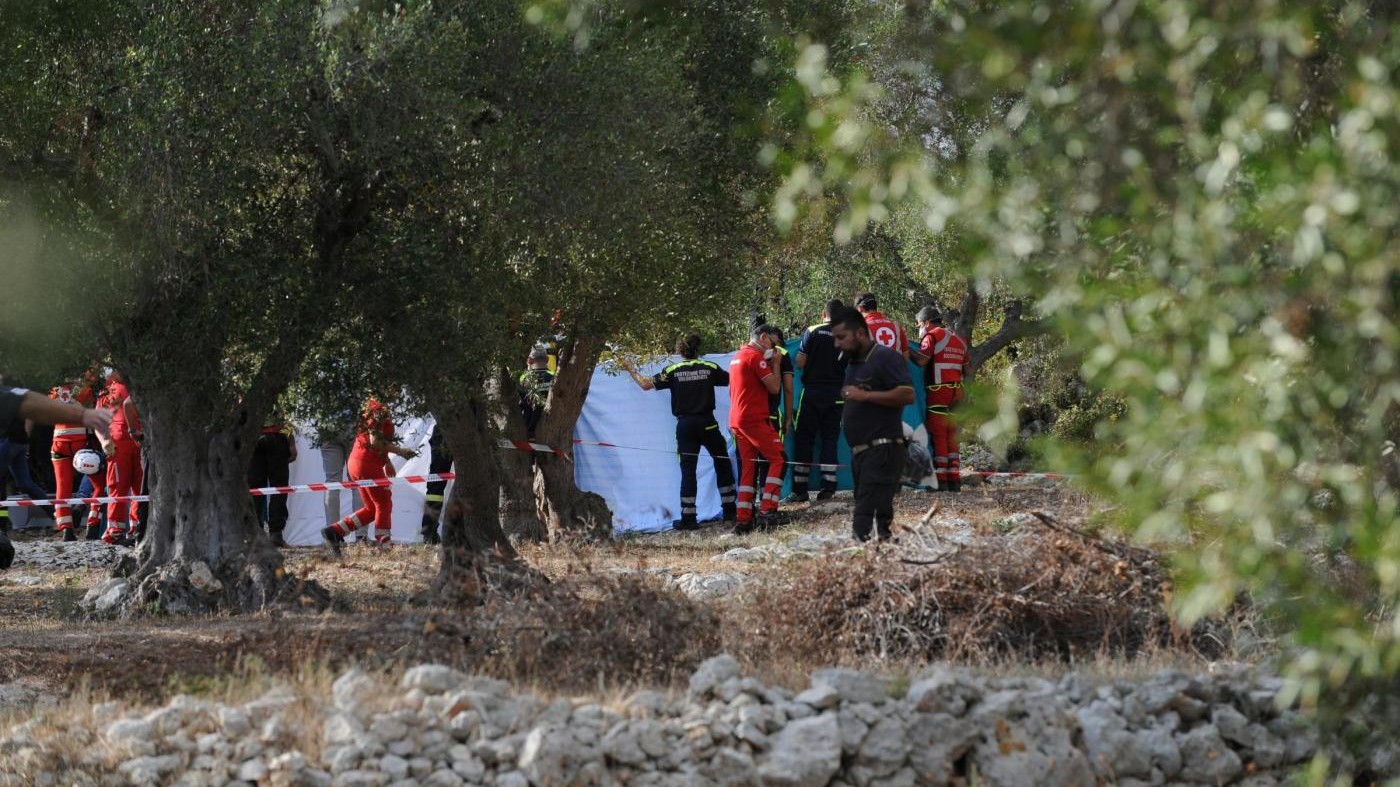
566, 509
473, 544
519, 517
203, 550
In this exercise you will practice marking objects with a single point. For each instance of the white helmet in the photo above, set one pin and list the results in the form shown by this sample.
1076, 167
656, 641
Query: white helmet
87, 461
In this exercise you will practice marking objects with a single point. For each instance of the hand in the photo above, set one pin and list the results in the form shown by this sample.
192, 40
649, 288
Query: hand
98, 420
849, 393
389, 471
768, 354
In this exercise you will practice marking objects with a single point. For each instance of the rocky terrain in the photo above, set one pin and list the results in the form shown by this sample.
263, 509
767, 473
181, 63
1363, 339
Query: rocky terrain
439, 727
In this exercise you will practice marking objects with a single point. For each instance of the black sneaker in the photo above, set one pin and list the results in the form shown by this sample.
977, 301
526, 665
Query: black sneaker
69, 535
826, 494
333, 538
796, 497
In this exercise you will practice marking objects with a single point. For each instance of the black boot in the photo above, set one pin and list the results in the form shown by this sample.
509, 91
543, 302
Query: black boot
731, 514
685, 523
827, 493
275, 533
7, 552
94, 532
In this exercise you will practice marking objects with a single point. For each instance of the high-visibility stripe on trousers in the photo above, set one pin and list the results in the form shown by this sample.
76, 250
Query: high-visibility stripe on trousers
943, 433
61, 454
754, 441
377, 502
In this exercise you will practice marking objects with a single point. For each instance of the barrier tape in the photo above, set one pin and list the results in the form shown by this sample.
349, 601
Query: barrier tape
518, 445
263, 491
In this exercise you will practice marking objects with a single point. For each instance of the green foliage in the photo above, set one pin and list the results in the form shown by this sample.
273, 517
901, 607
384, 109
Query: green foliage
1202, 197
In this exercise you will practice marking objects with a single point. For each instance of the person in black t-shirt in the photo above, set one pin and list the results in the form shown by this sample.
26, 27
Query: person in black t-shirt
819, 409
692, 382
877, 387
533, 387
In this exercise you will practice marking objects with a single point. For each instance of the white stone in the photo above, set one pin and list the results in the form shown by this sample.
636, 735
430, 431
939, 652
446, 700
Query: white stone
149, 770
127, 731
360, 779
512, 779
252, 770
354, 692
853, 685
432, 678
201, 578
234, 722
819, 697
711, 673
393, 765
1205, 757
805, 753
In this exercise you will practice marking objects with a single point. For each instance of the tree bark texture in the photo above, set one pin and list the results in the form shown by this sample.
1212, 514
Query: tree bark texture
519, 516
567, 510
472, 537
201, 516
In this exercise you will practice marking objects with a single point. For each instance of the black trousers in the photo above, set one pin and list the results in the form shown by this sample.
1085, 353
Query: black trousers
877, 472
694, 432
818, 416
271, 466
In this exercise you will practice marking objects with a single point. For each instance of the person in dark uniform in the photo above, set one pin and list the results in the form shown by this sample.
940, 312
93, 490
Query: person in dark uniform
692, 383
780, 405
877, 387
533, 386
271, 465
819, 410
441, 462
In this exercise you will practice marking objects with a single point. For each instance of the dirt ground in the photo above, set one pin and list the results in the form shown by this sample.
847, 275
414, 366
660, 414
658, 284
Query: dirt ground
44, 643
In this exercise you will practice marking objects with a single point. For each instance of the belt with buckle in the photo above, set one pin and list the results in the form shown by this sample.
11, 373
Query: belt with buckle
856, 449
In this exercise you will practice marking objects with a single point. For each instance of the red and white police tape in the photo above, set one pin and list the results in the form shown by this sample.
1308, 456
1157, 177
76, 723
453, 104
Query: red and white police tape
263, 491
518, 445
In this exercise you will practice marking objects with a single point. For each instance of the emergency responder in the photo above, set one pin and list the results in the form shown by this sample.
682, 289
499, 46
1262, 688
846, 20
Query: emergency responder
943, 353
440, 462
692, 382
68, 439
533, 388
882, 329
369, 458
876, 388
123, 450
819, 409
271, 465
753, 377
18, 403
780, 407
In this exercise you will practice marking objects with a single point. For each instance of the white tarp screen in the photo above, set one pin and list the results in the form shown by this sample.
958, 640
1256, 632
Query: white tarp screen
640, 478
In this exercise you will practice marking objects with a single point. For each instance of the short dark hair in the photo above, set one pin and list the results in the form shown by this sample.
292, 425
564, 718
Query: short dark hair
832, 307
866, 302
850, 319
762, 330
776, 332
928, 314
688, 346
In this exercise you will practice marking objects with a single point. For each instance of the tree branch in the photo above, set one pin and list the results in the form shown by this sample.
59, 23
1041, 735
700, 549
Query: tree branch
1013, 327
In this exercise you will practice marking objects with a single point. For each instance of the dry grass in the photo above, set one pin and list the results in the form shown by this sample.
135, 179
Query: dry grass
606, 623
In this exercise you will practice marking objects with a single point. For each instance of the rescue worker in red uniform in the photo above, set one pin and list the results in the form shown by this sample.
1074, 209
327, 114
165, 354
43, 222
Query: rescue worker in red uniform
882, 329
123, 451
752, 379
943, 353
69, 439
370, 459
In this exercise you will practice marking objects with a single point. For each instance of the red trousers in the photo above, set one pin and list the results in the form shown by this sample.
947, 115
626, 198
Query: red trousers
943, 433
123, 478
377, 502
755, 440
61, 454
